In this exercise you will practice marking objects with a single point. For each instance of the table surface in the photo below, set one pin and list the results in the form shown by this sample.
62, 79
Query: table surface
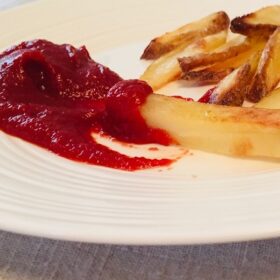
24, 257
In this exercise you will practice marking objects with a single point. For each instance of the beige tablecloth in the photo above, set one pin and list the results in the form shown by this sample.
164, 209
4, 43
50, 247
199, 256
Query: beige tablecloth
29, 258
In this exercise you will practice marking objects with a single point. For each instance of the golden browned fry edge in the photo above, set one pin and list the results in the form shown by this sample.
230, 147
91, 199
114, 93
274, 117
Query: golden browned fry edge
186, 34
204, 59
166, 68
235, 131
212, 74
267, 75
206, 76
258, 22
232, 90
234, 93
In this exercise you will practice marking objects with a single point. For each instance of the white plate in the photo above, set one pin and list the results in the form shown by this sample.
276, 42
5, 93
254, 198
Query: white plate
202, 198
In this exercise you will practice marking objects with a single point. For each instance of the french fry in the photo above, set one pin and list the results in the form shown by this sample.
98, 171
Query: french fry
268, 73
232, 90
232, 53
186, 34
253, 65
214, 73
230, 49
262, 22
234, 131
206, 76
270, 101
166, 68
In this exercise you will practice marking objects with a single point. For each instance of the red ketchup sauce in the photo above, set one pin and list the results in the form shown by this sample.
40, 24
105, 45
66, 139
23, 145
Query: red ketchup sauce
205, 98
55, 96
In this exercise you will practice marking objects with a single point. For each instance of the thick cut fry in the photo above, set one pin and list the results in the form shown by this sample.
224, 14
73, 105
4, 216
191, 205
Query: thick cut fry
166, 68
186, 34
262, 22
270, 101
234, 131
232, 89
268, 72
206, 76
214, 73
230, 49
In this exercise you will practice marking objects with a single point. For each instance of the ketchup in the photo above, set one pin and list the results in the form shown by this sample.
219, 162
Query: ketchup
205, 98
123, 119
55, 96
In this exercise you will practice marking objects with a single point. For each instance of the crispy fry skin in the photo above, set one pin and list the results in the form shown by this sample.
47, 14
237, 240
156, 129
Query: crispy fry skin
230, 49
234, 131
268, 73
166, 68
186, 34
212, 74
232, 89
248, 69
206, 76
261, 22
270, 101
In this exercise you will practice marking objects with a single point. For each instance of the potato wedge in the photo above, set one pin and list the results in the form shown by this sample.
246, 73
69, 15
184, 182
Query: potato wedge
262, 22
186, 34
270, 101
215, 73
206, 76
230, 49
235, 131
233, 88
166, 68
268, 73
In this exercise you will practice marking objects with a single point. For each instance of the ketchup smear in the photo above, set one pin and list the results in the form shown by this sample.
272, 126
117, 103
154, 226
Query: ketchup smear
205, 98
55, 96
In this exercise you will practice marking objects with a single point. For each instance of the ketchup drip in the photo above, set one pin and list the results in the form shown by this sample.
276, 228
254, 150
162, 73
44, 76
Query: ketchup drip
55, 96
